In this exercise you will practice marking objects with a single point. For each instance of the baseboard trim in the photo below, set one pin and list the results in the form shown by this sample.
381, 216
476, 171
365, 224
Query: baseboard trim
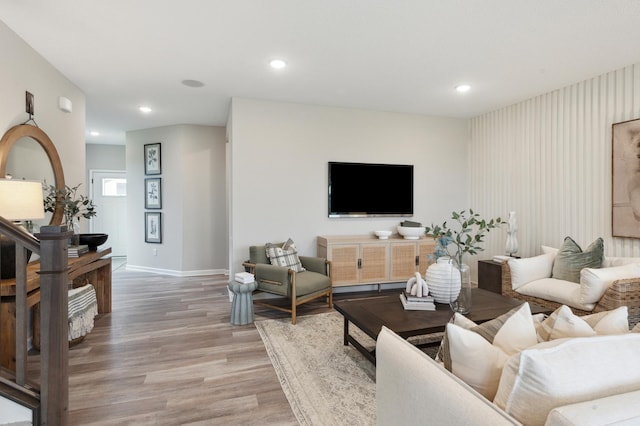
174, 273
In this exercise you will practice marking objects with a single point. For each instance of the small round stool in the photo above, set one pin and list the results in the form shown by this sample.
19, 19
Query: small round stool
242, 305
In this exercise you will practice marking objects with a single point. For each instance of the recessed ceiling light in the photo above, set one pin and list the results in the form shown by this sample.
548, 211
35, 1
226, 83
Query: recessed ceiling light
192, 83
277, 63
145, 109
94, 133
462, 88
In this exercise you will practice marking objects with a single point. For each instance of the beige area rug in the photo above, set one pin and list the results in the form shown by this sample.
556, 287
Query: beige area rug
325, 382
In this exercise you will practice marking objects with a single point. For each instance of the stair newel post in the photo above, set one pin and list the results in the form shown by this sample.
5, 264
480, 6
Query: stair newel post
54, 350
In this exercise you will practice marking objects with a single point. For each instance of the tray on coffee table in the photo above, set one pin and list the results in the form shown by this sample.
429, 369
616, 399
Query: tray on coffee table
371, 313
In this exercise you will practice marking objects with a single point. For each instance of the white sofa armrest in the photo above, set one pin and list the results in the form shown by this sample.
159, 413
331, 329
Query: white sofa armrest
412, 388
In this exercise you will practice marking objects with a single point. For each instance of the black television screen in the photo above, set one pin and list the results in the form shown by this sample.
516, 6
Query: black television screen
365, 190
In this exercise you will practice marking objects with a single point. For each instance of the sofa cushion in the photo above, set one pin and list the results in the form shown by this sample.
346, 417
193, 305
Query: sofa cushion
564, 323
567, 371
559, 291
594, 282
285, 255
570, 259
475, 353
530, 269
620, 409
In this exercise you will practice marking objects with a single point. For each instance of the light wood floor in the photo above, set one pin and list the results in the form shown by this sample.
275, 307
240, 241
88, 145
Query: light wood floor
167, 355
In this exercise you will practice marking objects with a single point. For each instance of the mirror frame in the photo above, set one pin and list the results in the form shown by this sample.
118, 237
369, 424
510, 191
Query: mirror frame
26, 131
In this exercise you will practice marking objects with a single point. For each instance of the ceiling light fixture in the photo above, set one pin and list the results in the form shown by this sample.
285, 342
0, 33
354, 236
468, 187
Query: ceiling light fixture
145, 109
192, 83
463, 88
94, 133
277, 64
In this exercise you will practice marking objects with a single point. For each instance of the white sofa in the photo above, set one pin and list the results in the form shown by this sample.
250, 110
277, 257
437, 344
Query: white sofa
616, 283
578, 381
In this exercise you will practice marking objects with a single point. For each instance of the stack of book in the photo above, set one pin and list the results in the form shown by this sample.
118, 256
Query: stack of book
244, 277
415, 303
501, 259
77, 251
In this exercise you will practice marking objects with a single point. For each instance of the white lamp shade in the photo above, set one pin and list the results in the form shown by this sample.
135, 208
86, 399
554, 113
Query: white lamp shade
21, 200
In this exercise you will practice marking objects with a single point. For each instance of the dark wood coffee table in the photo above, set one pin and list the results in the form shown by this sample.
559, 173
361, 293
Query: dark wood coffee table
371, 313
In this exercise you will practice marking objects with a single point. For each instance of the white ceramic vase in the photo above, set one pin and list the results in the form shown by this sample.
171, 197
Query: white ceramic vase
443, 280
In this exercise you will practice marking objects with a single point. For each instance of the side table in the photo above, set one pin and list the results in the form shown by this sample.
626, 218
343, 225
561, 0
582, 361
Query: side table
490, 275
242, 304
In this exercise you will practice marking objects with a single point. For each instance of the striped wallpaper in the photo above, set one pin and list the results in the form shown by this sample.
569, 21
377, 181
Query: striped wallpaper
549, 160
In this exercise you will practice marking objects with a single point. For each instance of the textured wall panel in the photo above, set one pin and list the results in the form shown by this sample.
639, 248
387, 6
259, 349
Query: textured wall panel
549, 159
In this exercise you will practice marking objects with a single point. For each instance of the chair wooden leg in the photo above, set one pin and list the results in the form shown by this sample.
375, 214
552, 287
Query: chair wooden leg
293, 311
331, 299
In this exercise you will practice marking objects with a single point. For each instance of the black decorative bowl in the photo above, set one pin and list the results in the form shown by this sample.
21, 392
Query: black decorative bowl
93, 240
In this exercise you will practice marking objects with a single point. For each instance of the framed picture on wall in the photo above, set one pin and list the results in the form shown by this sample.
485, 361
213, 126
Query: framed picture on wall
153, 193
153, 227
152, 159
625, 179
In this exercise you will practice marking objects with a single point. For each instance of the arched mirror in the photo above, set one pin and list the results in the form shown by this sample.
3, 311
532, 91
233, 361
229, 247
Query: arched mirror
25, 140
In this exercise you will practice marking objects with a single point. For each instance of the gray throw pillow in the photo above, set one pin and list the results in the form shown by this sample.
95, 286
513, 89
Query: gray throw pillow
570, 259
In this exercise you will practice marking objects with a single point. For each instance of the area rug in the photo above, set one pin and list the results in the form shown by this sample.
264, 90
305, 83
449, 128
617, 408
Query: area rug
325, 382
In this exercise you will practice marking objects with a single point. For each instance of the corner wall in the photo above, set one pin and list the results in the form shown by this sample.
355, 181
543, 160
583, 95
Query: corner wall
194, 220
23, 69
279, 154
549, 159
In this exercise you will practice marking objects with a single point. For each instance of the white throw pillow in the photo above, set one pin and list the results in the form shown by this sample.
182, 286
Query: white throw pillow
615, 321
551, 250
530, 269
563, 323
553, 374
478, 361
595, 281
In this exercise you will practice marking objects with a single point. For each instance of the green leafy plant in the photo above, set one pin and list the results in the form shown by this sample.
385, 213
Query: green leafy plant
74, 206
465, 237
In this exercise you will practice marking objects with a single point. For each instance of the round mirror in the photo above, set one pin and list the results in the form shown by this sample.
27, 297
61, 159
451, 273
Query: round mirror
21, 131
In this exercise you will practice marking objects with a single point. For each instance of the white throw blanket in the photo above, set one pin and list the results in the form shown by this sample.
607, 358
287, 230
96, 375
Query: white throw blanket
83, 307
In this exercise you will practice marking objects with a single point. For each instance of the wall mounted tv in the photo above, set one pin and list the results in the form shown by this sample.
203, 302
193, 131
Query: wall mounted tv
370, 190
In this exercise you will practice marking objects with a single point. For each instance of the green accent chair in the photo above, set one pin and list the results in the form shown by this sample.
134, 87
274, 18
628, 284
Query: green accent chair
296, 287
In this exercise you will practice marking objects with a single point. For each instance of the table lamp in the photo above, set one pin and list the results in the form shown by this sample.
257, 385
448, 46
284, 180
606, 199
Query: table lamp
19, 200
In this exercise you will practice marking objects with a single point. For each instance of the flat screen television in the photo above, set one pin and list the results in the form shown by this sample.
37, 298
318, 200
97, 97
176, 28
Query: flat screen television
370, 190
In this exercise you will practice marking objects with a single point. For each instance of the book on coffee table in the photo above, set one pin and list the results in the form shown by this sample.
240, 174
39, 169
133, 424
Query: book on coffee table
417, 306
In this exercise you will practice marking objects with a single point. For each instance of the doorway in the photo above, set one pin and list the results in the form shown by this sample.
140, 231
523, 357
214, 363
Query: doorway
109, 194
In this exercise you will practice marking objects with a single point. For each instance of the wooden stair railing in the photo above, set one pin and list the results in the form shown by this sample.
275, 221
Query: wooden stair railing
53, 390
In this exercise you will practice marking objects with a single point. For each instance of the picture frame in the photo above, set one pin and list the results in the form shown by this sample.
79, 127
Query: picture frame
153, 159
153, 193
625, 179
153, 227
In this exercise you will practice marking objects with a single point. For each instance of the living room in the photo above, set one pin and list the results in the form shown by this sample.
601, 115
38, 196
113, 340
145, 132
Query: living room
546, 156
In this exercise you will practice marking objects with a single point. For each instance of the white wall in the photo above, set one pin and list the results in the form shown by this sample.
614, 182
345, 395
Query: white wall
279, 155
549, 159
106, 157
193, 210
23, 70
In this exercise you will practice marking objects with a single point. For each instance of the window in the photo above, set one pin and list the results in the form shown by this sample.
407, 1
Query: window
114, 187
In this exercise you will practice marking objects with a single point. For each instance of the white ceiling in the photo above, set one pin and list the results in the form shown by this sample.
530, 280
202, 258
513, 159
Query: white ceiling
389, 55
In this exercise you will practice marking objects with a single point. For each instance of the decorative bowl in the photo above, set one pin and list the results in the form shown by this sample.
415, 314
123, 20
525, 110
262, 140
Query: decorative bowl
93, 240
411, 233
383, 235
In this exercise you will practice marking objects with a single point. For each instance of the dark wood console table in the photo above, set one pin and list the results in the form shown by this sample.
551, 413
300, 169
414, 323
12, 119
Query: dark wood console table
93, 267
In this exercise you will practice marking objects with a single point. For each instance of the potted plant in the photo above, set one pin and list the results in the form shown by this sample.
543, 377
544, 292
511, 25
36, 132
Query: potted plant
75, 206
453, 243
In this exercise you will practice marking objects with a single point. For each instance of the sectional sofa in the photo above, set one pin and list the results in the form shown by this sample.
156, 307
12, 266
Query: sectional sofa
565, 381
